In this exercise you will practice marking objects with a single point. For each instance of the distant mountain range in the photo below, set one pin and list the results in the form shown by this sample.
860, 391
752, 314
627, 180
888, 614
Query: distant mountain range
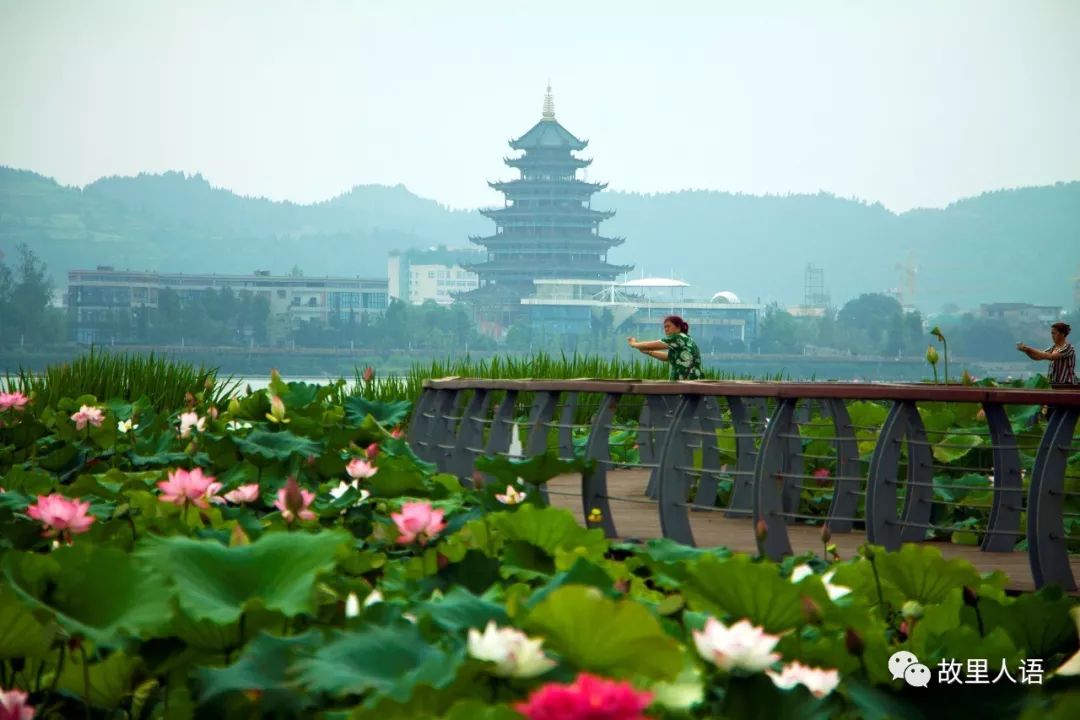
1006, 246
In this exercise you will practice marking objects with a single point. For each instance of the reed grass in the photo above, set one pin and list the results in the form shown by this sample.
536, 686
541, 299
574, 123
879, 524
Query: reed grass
124, 376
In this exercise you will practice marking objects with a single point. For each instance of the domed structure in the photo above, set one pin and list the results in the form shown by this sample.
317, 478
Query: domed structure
725, 296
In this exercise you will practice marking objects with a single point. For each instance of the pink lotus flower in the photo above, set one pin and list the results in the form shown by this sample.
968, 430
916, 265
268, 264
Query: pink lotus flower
372, 451
819, 682
418, 521
588, 698
190, 420
512, 496
61, 515
13, 706
13, 401
396, 433
88, 414
243, 494
359, 469
742, 646
293, 502
193, 487
822, 476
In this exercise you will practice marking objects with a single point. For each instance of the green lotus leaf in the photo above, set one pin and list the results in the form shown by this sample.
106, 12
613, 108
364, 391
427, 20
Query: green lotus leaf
100, 593
387, 414
263, 666
536, 470
388, 661
740, 588
276, 445
459, 609
397, 476
21, 635
105, 683
1037, 622
953, 447
552, 530
920, 573
218, 583
620, 638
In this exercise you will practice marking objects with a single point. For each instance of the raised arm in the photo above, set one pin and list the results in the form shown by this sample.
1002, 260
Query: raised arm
1037, 354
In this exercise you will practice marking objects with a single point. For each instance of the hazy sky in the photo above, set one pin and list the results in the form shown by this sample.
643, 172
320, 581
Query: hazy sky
910, 103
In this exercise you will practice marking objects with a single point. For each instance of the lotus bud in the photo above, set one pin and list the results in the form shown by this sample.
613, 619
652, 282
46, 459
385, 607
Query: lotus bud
275, 376
826, 536
912, 609
936, 332
234, 406
294, 499
931, 355
966, 379
903, 631
208, 383
352, 605
971, 598
761, 530
189, 399
372, 451
277, 410
214, 412
854, 643
369, 374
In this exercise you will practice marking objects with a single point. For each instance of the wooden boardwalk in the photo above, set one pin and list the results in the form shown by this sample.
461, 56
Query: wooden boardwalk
712, 529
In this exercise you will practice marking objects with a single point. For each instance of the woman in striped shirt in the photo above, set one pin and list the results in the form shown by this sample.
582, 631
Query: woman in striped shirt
1061, 354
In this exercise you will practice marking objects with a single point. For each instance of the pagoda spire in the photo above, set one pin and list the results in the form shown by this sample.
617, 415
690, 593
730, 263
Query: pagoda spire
549, 105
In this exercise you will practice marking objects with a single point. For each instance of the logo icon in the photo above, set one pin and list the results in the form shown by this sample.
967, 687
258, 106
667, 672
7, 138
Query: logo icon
900, 661
917, 675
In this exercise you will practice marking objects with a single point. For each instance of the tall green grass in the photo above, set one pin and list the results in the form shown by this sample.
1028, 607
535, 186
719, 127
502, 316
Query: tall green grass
107, 376
539, 366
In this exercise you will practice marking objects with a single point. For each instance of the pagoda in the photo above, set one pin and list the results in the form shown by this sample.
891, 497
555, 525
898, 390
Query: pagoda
547, 227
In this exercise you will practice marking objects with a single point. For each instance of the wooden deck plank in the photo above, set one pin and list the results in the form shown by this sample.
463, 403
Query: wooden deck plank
642, 521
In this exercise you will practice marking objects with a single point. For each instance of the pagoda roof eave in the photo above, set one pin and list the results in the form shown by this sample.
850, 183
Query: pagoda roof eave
549, 134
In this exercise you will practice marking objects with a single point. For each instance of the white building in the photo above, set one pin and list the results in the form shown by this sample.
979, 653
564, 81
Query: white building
416, 277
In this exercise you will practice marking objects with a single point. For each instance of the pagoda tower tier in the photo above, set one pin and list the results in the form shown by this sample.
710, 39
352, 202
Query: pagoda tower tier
547, 228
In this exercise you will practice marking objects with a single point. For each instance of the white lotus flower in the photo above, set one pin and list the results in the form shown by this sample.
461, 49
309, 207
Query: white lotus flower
343, 487
742, 646
352, 606
512, 497
373, 597
801, 572
234, 425
126, 426
514, 653
819, 682
191, 420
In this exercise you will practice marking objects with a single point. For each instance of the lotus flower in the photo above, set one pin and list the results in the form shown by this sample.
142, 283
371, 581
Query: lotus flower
235, 425
352, 606
396, 433
244, 494
418, 521
359, 469
126, 426
742, 646
822, 476
13, 401
514, 653
192, 486
588, 698
819, 682
801, 572
61, 515
343, 487
277, 410
293, 502
13, 706
369, 374
189, 421
512, 496
88, 414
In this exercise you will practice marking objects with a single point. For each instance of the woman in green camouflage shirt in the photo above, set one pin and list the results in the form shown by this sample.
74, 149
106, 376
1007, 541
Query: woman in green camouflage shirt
676, 348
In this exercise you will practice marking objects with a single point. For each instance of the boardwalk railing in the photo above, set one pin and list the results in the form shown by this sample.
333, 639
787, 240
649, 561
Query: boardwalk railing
889, 460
